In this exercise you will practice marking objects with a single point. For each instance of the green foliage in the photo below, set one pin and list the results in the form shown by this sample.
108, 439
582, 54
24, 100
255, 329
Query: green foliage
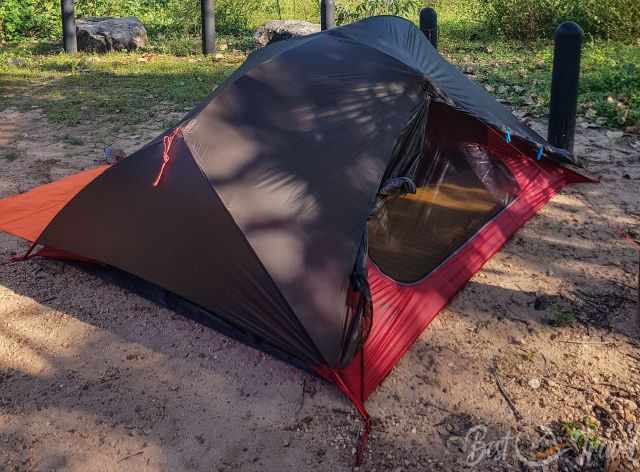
533, 19
582, 433
288, 9
24, 18
561, 317
232, 16
21, 19
348, 11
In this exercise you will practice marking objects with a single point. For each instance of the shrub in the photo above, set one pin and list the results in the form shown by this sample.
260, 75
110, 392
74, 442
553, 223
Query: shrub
232, 16
348, 11
20, 19
532, 19
23, 18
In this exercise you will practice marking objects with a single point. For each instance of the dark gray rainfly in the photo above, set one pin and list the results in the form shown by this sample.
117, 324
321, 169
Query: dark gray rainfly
260, 216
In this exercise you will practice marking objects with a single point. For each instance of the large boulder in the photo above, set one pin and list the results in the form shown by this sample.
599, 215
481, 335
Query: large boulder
107, 34
277, 30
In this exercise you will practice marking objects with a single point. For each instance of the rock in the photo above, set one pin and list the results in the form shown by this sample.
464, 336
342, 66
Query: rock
534, 384
613, 135
277, 30
107, 34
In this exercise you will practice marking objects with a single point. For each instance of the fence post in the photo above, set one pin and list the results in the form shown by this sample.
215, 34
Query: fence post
208, 27
69, 26
429, 25
327, 14
564, 85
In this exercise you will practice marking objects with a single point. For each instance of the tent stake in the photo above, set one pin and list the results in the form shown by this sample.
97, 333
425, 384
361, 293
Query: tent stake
564, 85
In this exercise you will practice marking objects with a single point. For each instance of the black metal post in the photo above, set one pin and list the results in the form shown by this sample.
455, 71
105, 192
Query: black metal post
327, 14
564, 85
429, 25
208, 27
69, 26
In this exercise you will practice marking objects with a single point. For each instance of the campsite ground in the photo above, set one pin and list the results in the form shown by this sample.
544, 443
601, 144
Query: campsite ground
95, 378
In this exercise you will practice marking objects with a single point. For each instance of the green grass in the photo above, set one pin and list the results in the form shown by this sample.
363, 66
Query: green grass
171, 76
519, 73
114, 89
582, 433
560, 317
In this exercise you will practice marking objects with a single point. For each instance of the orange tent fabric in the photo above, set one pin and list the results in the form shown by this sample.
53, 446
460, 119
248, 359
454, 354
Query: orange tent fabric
26, 215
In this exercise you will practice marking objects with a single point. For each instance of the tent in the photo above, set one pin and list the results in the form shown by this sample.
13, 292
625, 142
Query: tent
323, 204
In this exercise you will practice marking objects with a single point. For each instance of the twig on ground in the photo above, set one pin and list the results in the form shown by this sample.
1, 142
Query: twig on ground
505, 395
518, 320
567, 341
130, 456
438, 407
632, 356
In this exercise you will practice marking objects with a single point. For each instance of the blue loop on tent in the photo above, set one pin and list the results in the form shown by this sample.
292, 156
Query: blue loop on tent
507, 135
540, 152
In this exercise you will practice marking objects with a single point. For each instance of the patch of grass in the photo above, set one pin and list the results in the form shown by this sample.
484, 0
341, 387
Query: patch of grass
519, 74
583, 434
117, 89
11, 155
561, 317
74, 141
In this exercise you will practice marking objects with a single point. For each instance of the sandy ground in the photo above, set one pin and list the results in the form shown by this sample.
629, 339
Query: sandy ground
94, 378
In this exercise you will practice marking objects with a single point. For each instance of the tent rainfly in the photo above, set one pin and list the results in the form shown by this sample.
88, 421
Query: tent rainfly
323, 204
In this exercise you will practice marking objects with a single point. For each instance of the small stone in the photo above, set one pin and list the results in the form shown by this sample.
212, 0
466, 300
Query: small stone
534, 383
286, 443
613, 135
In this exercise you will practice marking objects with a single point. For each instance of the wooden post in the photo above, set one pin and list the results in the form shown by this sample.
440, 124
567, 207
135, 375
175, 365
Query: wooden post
429, 25
69, 27
208, 27
327, 14
564, 85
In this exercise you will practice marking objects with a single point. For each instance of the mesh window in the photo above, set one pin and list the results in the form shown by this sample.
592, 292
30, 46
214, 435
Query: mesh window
460, 187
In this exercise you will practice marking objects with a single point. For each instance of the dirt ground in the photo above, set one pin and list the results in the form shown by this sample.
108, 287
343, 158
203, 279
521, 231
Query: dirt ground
95, 378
